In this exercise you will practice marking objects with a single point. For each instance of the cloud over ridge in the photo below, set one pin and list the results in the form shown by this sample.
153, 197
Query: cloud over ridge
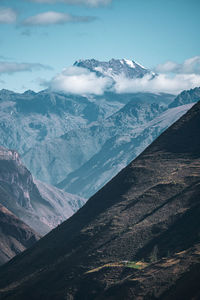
76, 80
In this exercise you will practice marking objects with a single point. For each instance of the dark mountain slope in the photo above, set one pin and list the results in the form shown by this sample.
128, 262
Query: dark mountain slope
155, 281
15, 235
150, 209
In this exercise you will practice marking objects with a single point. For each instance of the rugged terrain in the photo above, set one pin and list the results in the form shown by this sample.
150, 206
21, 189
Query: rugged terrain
145, 218
37, 124
130, 131
39, 205
15, 235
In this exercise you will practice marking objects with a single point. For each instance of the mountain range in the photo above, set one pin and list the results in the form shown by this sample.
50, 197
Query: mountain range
115, 67
112, 128
136, 238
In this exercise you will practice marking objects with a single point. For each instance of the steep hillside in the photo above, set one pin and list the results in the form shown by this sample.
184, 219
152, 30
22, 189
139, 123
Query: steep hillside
41, 207
131, 130
15, 235
149, 211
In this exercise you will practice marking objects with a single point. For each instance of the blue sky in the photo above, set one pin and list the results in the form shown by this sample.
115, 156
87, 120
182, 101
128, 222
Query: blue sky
36, 48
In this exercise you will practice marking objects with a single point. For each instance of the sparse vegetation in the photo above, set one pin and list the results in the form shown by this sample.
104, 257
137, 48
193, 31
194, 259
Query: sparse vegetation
122, 264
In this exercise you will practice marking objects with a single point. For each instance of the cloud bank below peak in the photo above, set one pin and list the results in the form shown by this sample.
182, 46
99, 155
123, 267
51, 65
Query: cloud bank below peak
81, 81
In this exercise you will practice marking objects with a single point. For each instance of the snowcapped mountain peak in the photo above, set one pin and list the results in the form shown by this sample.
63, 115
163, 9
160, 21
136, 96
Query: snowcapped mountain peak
114, 67
130, 63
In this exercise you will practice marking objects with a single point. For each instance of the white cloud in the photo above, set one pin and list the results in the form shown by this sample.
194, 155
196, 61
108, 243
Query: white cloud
13, 67
76, 80
81, 81
7, 16
77, 2
160, 83
52, 17
189, 66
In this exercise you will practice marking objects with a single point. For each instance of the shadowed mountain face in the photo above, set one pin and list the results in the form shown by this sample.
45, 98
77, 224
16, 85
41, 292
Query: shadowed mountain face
39, 205
15, 235
149, 211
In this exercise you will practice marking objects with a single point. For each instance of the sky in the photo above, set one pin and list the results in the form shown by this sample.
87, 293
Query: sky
41, 38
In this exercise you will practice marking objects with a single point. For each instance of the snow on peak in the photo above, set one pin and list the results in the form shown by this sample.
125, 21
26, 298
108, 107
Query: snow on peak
141, 66
130, 63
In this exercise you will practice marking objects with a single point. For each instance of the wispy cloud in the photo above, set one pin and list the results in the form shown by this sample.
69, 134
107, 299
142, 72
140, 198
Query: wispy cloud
93, 3
52, 18
14, 67
189, 66
7, 16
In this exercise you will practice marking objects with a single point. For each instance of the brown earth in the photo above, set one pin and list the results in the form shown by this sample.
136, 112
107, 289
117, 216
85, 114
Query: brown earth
15, 235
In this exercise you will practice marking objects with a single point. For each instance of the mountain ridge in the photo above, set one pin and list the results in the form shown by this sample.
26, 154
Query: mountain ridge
151, 203
115, 67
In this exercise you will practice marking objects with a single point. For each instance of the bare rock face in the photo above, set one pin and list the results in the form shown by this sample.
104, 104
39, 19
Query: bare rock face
137, 238
39, 205
185, 97
15, 235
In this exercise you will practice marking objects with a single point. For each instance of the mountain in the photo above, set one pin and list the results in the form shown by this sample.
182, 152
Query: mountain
143, 226
129, 132
39, 205
115, 67
15, 235
37, 124
187, 97
112, 129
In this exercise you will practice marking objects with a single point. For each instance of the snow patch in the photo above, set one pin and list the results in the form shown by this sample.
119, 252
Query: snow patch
130, 63
141, 66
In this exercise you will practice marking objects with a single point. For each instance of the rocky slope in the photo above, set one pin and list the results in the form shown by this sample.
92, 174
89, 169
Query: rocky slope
186, 97
40, 206
115, 67
15, 235
130, 131
149, 211
57, 165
